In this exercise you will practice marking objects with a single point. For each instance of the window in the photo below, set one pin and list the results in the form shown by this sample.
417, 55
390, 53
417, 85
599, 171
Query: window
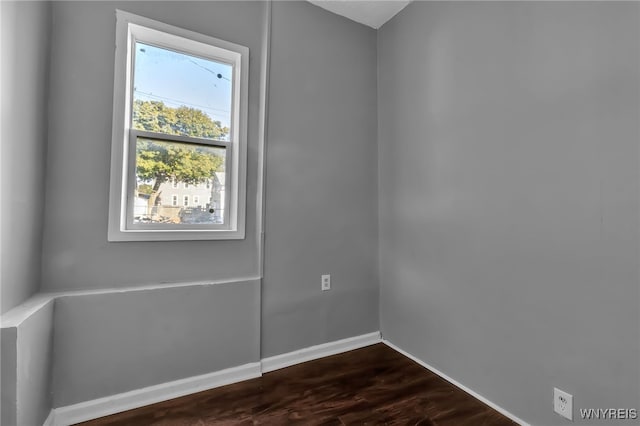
179, 117
196, 200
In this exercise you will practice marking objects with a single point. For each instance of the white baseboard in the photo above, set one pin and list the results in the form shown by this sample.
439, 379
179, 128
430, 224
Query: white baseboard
319, 351
458, 384
89, 410
101, 407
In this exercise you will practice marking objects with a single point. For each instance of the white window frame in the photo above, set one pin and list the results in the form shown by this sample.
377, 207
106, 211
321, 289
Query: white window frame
129, 29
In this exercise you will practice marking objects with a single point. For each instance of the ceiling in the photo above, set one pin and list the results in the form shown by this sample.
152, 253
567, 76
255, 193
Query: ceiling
373, 13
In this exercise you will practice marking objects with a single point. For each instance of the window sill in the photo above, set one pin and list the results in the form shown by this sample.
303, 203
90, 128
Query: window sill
181, 235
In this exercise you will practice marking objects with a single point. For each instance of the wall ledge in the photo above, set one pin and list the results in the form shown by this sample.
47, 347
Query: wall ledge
18, 314
50, 420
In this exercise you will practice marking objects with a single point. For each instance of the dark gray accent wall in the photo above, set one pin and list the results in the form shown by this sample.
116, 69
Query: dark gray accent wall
25, 56
321, 196
105, 344
509, 191
76, 254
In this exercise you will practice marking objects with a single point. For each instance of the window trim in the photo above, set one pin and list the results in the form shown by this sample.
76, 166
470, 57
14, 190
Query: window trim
129, 28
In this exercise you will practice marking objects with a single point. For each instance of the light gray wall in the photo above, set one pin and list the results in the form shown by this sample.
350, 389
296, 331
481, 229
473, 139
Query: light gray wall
25, 55
321, 196
76, 254
111, 343
509, 182
34, 366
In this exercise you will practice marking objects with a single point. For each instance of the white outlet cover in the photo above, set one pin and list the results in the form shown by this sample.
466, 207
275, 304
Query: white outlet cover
326, 282
563, 403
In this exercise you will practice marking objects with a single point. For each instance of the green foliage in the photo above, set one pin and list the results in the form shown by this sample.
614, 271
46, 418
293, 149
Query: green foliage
158, 161
155, 116
145, 189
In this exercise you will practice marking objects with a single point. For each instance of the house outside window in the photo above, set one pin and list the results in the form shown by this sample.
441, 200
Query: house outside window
166, 133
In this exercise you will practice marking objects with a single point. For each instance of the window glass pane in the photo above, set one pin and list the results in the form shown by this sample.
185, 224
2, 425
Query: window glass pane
180, 94
159, 163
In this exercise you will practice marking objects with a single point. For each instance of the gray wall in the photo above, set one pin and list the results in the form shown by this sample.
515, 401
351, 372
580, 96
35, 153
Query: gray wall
34, 365
321, 202
111, 343
117, 342
26, 356
25, 56
76, 254
509, 237
329, 146
9, 365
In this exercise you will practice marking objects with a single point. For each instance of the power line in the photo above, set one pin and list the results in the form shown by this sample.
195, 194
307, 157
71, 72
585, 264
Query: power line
180, 102
220, 76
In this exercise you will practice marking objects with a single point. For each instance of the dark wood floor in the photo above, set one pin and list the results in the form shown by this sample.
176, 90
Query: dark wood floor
370, 386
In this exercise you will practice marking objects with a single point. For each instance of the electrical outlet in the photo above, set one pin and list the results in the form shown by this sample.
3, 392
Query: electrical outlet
326, 282
563, 403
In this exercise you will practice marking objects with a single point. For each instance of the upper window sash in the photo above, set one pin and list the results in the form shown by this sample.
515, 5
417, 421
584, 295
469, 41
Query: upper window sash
138, 33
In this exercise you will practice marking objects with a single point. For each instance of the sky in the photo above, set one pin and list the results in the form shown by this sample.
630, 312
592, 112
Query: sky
180, 79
